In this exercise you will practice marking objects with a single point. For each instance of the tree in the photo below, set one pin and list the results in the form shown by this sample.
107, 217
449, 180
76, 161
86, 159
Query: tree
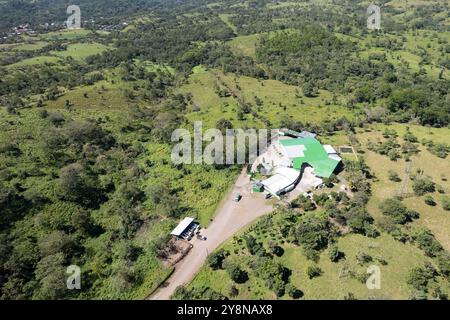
76, 184
215, 259
312, 232
253, 246
237, 274
80, 133
309, 90
165, 200
277, 250
427, 242
53, 243
51, 275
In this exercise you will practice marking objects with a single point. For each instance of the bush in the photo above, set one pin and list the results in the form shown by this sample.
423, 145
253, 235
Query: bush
444, 263
427, 242
253, 246
419, 277
293, 292
393, 176
320, 199
446, 203
423, 186
233, 291
56, 118
363, 257
304, 203
395, 210
313, 271
429, 200
334, 254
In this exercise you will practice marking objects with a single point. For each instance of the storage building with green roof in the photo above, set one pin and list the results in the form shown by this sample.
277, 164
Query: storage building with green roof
309, 151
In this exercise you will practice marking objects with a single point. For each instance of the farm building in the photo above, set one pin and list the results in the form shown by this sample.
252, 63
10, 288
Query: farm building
185, 229
284, 180
309, 151
290, 155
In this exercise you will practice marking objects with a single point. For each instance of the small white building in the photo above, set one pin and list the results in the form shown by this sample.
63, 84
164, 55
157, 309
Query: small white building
185, 228
284, 180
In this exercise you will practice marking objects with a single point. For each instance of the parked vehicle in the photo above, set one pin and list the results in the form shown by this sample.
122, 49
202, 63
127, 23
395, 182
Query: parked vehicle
237, 197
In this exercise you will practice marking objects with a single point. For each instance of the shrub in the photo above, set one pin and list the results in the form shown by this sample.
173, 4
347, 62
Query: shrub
423, 186
313, 271
395, 210
427, 242
334, 254
363, 257
444, 263
393, 176
253, 246
429, 200
293, 292
304, 203
446, 203
419, 277
233, 291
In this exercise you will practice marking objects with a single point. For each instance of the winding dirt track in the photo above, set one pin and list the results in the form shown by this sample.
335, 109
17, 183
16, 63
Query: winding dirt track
229, 219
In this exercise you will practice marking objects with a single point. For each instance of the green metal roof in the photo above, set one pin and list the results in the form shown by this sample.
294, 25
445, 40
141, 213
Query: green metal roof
315, 156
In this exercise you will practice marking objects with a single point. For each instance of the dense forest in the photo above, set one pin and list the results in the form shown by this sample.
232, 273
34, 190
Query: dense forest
85, 171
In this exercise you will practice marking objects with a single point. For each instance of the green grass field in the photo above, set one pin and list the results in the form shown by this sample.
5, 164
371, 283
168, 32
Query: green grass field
35, 61
80, 51
66, 34
278, 101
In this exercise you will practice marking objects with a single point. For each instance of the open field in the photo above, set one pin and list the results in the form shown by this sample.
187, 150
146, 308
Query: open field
66, 34
278, 101
35, 61
434, 218
80, 51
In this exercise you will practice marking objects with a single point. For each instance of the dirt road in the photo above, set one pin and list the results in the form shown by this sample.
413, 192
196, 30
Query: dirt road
229, 219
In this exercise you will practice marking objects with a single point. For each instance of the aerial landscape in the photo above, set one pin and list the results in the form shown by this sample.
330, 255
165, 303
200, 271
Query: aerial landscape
224, 150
